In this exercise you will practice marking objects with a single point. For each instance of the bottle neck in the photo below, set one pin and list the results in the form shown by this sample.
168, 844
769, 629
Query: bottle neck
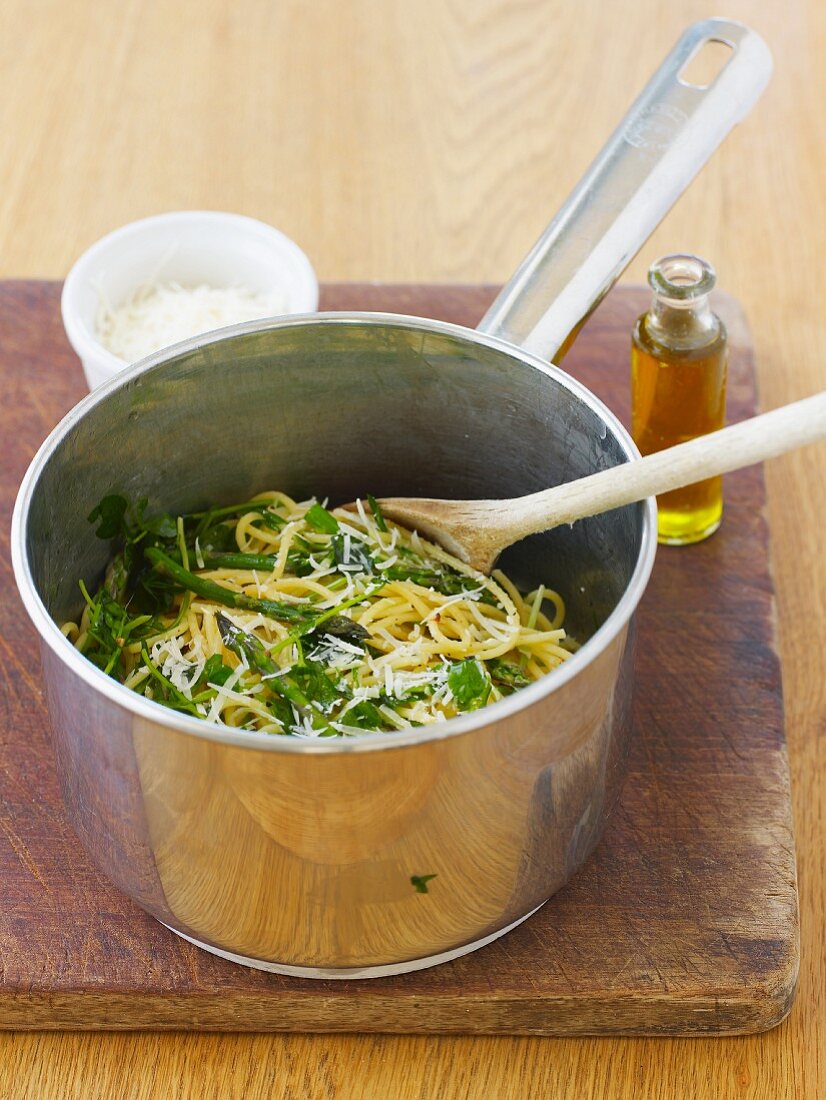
680, 315
682, 324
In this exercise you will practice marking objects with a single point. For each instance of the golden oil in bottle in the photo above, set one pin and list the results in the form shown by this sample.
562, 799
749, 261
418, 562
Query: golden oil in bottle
678, 387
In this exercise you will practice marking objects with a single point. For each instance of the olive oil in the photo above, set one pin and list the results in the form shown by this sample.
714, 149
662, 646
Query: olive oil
678, 382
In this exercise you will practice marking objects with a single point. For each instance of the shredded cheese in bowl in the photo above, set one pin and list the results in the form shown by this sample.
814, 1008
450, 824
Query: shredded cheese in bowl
159, 314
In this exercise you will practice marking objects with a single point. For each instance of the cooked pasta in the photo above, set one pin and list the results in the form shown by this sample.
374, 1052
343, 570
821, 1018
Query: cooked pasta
283, 617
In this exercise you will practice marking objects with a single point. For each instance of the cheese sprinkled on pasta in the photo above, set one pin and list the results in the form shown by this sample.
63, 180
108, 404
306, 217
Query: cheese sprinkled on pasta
283, 617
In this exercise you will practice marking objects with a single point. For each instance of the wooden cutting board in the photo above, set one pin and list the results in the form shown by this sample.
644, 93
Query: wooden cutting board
683, 922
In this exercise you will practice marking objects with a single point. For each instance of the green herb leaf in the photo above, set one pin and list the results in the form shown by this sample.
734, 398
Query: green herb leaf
321, 520
469, 684
214, 672
282, 710
132, 580
298, 559
299, 564
316, 685
111, 627
364, 716
152, 591
219, 538
163, 525
111, 512
419, 882
377, 513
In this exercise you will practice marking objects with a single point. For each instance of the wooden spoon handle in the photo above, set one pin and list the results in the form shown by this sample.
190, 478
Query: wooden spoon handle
772, 433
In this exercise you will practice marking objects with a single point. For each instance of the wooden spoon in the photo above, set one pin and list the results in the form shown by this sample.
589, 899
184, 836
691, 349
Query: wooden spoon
477, 531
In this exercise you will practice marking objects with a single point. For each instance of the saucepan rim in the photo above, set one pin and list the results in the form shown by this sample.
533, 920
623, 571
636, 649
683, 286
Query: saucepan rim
156, 713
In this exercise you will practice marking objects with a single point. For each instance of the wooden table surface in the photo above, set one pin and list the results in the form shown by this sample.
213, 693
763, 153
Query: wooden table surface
432, 141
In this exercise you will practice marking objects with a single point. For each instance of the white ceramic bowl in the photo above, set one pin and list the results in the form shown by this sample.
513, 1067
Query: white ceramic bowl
189, 247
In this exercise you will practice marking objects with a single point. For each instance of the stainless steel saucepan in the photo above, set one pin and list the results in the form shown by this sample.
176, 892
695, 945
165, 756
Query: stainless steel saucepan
295, 855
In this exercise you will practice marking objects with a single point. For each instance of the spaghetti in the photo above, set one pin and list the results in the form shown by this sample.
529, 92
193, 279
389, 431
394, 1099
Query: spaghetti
283, 617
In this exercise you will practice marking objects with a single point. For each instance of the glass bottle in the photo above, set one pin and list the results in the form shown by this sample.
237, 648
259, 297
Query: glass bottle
678, 386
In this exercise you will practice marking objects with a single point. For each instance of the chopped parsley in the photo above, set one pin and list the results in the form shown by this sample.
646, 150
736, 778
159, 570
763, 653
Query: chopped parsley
419, 882
321, 520
469, 683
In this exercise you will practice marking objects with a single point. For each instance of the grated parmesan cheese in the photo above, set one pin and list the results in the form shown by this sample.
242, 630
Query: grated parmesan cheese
159, 314
407, 667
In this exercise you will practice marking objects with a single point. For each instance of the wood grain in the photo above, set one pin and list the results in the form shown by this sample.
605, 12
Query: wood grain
684, 920
431, 141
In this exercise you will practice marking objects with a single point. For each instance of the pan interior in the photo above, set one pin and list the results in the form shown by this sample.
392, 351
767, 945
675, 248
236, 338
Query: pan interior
338, 407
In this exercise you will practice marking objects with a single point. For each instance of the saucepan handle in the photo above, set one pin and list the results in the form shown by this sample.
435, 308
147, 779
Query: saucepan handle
656, 151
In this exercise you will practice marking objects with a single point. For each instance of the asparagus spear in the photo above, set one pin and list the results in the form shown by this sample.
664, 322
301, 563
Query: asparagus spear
231, 560
209, 590
247, 646
307, 622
